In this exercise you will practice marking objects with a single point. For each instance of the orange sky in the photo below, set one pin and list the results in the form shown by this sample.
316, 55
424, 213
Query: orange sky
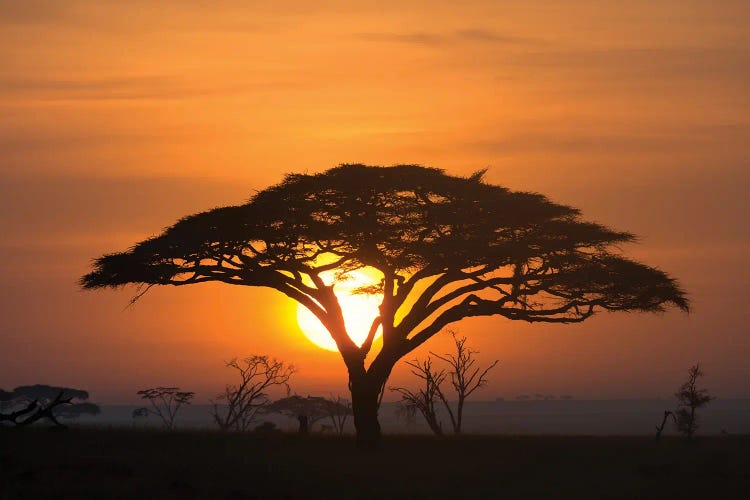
116, 118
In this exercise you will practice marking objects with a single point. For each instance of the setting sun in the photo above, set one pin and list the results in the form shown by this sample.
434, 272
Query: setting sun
359, 311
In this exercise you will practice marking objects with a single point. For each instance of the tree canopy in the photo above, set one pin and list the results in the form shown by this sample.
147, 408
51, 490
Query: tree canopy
446, 248
31, 403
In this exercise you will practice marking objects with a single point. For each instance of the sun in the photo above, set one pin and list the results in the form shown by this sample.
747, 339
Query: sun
359, 311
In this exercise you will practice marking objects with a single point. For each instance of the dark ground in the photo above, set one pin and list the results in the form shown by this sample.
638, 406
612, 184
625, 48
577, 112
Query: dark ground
143, 464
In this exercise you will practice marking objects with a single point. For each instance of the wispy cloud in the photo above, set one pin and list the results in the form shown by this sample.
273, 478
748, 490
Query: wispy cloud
29, 12
488, 36
471, 35
646, 63
602, 139
83, 205
127, 88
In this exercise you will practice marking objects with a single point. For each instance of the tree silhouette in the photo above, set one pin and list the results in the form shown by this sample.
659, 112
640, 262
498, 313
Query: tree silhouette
424, 399
689, 399
31, 403
307, 410
236, 408
445, 248
165, 402
338, 409
465, 378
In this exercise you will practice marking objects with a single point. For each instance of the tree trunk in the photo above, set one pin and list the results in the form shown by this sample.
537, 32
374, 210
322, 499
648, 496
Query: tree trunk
434, 424
660, 428
691, 427
365, 399
303, 427
459, 414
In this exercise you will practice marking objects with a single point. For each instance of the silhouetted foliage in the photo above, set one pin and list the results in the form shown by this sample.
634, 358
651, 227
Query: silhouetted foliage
311, 409
139, 414
424, 399
689, 398
339, 410
446, 248
237, 407
31, 403
464, 376
267, 429
165, 402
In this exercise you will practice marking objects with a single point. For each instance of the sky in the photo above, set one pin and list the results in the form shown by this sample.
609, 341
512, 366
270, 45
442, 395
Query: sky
117, 118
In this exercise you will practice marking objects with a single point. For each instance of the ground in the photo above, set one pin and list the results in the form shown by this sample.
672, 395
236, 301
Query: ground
125, 463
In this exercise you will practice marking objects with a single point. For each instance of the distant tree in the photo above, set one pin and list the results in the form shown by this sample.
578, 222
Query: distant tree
445, 247
31, 403
139, 414
425, 399
690, 398
267, 429
338, 409
237, 407
307, 410
166, 402
465, 377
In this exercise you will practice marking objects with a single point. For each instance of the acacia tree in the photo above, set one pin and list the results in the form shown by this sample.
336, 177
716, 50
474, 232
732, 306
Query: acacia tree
445, 248
307, 410
31, 403
236, 408
165, 403
339, 409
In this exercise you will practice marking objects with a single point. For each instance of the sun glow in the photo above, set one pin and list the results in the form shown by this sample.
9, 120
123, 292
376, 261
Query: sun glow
359, 311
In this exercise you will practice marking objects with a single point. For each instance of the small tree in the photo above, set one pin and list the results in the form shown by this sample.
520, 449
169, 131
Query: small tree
31, 403
339, 409
236, 408
166, 402
307, 410
689, 399
425, 398
139, 414
465, 378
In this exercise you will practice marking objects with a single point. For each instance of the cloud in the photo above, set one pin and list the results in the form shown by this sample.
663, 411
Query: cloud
28, 143
411, 38
486, 36
65, 207
655, 138
642, 64
472, 35
28, 12
126, 88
